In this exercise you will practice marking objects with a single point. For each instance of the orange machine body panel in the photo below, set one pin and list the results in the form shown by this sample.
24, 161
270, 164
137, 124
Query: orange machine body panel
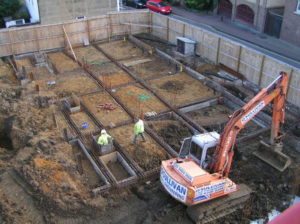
187, 182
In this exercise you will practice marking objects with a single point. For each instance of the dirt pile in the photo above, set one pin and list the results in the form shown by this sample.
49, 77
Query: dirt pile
173, 86
148, 156
173, 134
32, 146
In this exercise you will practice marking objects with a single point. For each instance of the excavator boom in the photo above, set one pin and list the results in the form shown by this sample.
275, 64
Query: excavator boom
200, 174
275, 92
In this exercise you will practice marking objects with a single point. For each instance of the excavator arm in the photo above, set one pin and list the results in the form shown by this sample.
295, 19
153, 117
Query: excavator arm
275, 92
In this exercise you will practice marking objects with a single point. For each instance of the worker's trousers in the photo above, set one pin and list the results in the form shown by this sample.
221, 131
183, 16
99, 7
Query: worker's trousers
137, 135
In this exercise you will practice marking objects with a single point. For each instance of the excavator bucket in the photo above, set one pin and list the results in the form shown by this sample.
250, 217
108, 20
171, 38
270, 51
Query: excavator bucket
272, 155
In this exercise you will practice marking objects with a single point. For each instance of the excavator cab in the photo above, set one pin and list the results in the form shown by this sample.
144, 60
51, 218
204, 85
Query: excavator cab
200, 148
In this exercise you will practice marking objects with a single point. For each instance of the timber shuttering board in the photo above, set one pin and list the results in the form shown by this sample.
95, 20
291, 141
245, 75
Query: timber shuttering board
253, 65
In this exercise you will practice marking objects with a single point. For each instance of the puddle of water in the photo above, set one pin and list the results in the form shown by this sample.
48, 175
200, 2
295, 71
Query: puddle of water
274, 213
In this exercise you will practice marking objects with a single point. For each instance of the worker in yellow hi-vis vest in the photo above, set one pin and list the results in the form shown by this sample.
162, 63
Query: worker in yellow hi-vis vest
104, 138
138, 130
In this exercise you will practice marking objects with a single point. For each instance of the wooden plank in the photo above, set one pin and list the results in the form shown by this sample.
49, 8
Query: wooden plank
70, 45
131, 63
199, 106
261, 70
144, 25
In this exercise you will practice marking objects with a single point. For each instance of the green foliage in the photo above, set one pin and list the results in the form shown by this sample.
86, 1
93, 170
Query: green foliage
199, 4
174, 2
8, 8
22, 14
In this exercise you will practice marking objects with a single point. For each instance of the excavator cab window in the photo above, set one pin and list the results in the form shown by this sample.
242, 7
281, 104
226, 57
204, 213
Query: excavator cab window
208, 157
196, 152
185, 148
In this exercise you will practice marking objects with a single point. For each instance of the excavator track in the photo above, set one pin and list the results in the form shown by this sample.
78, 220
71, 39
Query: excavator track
220, 207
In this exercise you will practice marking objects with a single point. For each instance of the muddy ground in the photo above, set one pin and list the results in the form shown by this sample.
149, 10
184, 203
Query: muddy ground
41, 182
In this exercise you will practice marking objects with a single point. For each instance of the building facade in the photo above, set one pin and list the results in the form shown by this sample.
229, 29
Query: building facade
278, 18
290, 30
55, 11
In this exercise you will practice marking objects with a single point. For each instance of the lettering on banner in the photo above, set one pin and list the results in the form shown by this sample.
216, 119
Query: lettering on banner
227, 144
205, 192
253, 112
175, 189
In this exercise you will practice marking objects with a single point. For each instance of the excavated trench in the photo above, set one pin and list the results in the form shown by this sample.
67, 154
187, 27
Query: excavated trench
65, 176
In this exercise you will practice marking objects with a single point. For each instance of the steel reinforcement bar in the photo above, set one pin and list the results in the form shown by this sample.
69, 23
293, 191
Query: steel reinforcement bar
146, 86
169, 150
144, 175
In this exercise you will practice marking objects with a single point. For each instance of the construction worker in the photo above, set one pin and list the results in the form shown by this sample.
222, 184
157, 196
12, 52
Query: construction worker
138, 129
104, 138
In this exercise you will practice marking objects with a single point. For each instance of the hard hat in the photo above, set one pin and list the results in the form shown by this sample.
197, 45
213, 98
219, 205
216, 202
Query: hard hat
103, 131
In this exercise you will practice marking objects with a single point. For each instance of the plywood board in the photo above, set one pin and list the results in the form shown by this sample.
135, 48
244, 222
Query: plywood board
294, 88
271, 69
250, 64
209, 46
229, 54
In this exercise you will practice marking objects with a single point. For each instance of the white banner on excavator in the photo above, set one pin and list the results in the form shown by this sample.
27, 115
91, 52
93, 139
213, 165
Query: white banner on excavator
175, 189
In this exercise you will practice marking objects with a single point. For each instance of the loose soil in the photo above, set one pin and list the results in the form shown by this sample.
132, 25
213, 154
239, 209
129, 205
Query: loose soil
148, 155
40, 182
38, 72
181, 89
214, 118
138, 99
23, 62
62, 62
89, 54
62, 123
110, 74
68, 84
207, 67
121, 49
89, 174
106, 117
117, 170
6, 72
81, 117
155, 67
172, 132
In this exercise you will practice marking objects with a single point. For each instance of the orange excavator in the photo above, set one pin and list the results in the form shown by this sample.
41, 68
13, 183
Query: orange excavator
200, 173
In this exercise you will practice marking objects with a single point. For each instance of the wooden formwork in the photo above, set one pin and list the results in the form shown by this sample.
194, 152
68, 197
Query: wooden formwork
22, 40
255, 66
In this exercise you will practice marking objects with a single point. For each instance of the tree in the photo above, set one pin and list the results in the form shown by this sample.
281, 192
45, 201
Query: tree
199, 4
8, 8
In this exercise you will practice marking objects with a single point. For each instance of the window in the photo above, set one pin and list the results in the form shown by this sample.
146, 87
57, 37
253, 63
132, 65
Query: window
196, 151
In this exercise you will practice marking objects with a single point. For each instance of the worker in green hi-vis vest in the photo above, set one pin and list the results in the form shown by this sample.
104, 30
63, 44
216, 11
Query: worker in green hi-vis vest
138, 130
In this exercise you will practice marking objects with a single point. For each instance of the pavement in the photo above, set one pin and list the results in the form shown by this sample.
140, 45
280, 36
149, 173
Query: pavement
243, 34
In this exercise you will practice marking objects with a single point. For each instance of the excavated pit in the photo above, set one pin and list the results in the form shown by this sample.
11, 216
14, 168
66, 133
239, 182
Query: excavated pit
70, 185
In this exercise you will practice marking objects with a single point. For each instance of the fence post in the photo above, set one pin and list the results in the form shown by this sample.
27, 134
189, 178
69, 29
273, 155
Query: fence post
168, 24
88, 29
11, 42
239, 59
218, 50
261, 70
